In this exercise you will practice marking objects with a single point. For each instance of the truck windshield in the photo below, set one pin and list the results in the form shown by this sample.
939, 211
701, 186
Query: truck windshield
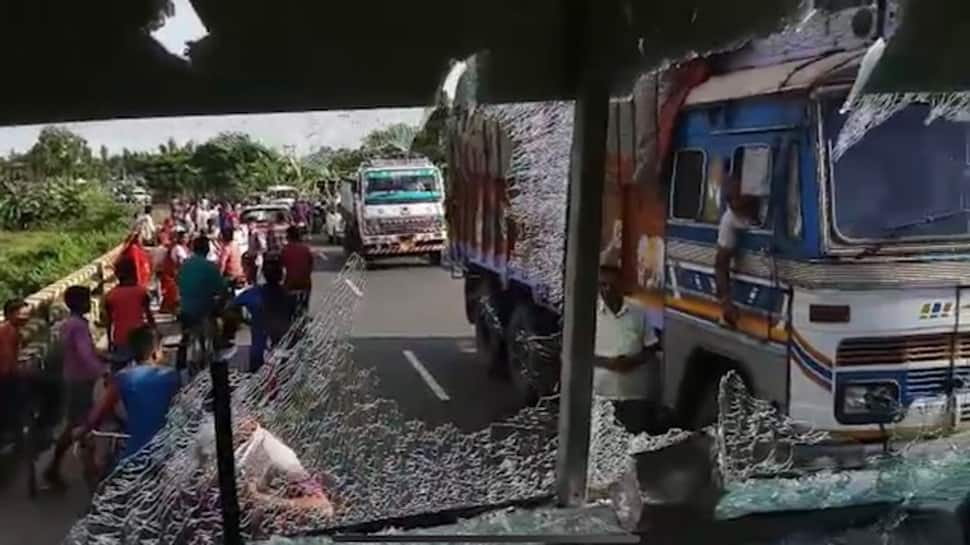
401, 187
904, 180
283, 194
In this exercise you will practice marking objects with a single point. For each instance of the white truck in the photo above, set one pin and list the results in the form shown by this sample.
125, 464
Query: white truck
394, 207
282, 194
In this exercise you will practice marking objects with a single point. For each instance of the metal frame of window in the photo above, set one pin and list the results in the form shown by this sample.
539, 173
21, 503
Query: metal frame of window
794, 160
761, 229
673, 186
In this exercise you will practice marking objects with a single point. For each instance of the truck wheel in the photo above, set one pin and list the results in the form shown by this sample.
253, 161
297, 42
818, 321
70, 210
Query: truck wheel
435, 258
472, 295
348, 250
706, 410
533, 372
491, 348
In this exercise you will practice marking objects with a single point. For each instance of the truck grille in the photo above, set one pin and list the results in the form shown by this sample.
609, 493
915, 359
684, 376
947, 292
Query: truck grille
403, 226
906, 349
932, 382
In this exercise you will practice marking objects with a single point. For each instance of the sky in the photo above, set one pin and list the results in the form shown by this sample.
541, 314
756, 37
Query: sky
303, 132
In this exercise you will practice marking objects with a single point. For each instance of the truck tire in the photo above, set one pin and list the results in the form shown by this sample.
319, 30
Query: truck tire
435, 258
706, 409
346, 244
490, 346
472, 294
533, 373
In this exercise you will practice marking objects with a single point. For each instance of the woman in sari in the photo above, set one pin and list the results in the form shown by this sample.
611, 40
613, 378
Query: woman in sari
137, 254
166, 231
174, 256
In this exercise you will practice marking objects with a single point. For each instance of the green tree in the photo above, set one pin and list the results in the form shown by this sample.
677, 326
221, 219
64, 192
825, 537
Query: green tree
232, 164
60, 152
393, 138
168, 172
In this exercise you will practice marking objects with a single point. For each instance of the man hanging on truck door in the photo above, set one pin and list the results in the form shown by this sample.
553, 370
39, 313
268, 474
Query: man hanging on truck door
740, 213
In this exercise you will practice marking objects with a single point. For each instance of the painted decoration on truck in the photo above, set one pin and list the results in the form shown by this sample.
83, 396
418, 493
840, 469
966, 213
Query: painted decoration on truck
510, 167
650, 262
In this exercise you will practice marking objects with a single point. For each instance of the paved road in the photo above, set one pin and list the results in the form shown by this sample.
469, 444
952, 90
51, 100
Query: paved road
411, 330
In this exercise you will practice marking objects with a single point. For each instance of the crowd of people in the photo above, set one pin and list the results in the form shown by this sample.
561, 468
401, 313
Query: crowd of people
206, 255
203, 265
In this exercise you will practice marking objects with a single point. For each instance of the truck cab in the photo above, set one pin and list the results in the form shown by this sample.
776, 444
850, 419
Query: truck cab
282, 194
394, 208
853, 317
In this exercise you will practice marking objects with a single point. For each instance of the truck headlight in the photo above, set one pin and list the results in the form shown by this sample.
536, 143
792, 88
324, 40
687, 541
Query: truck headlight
867, 403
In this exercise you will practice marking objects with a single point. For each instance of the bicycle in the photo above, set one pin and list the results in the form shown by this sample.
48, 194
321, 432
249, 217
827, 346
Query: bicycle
201, 341
99, 449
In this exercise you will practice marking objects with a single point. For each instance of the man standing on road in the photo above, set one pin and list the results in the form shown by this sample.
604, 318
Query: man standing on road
15, 317
276, 236
145, 226
200, 288
230, 258
83, 366
271, 309
128, 307
297, 260
146, 389
626, 368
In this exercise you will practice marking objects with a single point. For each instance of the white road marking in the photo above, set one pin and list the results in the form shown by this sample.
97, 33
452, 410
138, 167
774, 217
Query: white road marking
467, 347
354, 288
427, 376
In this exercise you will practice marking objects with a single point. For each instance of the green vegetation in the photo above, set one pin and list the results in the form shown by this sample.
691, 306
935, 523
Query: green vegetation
31, 260
57, 212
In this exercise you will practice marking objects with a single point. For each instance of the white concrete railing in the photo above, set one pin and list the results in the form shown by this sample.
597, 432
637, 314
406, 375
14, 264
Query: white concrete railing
47, 305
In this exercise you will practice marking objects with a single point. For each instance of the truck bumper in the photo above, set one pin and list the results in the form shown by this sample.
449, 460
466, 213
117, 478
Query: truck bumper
403, 245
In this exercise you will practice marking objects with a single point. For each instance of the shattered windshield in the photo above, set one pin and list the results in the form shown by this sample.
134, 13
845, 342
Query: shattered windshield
904, 180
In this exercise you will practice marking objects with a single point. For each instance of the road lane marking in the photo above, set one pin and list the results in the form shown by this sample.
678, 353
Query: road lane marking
354, 288
466, 346
428, 377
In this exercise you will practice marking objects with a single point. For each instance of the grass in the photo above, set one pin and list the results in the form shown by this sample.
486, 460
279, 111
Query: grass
30, 260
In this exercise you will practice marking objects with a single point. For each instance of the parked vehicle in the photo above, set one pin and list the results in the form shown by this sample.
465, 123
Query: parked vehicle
132, 195
394, 207
140, 196
853, 318
281, 194
260, 219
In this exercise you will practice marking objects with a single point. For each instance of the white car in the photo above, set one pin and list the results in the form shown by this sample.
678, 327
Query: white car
285, 195
140, 196
260, 217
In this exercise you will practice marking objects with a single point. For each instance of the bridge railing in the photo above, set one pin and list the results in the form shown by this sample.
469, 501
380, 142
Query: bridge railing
47, 306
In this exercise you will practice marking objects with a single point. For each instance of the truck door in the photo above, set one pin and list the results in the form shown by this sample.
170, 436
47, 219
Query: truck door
958, 385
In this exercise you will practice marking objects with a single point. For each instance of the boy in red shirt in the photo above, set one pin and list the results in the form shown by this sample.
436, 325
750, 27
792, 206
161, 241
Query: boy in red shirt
128, 306
15, 317
297, 261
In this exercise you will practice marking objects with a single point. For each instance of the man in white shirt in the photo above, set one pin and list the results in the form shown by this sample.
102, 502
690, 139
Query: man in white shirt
627, 370
145, 226
740, 214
